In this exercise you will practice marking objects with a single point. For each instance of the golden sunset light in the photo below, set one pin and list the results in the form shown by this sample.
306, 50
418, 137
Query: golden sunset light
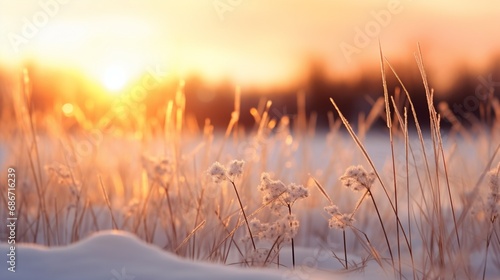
251, 42
115, 77
249, 139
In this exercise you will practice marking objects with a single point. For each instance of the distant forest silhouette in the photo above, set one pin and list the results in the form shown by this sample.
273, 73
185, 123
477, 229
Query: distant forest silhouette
216, 102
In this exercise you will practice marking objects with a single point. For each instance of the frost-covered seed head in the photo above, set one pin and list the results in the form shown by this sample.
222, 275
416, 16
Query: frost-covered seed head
290, 227
64, 177
271, 189
163, 167
256, 225
337, 219
295, 192
340, 221
357, 178
332, 210
157, 168
61, 172
259, 256
235, 168
494, 192
265, 176
279, 198
218, 172
276, 190
285, 227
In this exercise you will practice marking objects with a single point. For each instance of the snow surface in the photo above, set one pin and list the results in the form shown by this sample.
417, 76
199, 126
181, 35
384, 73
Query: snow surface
118, 255
114, 255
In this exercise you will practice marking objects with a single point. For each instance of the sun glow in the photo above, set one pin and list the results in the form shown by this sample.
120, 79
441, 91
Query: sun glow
67, 109
114, 78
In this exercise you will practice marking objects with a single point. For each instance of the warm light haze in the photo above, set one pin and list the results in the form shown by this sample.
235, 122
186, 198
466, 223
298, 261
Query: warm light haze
259, 43
249, 139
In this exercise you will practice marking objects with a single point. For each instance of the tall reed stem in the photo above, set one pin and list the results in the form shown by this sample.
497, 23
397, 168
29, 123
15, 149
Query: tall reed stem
293, 245
488, 241
383, 227
345, 250
244, 214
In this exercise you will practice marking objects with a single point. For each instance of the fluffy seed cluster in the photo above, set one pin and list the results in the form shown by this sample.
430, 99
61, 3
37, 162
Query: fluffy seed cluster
493, 198
278, 194
271, 189
157, 168
337, 219
285, 228
61, 173
259, 256
357, 178
64, 177
220, 173
132, 207
279, 198
163, 167
235, 168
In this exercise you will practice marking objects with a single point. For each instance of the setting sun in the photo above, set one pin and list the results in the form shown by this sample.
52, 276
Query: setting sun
114, 78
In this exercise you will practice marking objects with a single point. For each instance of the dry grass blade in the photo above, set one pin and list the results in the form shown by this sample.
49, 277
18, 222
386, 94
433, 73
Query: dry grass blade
404, 127
200, 225
368, 246
386, 92
358, 203
322, 190
364, 152
108, 204
391, 140
240, 223
438, 147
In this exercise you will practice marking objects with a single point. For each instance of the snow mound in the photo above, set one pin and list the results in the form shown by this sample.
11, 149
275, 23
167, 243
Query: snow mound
113, 255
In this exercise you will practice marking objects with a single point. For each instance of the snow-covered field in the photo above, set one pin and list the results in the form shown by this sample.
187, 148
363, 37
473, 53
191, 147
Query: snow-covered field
122, 256
104, 254
119, 256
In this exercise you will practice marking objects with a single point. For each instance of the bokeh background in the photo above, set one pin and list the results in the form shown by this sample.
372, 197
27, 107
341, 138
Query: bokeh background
84, 55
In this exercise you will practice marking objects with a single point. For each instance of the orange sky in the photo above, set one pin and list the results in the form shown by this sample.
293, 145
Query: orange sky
252, 42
